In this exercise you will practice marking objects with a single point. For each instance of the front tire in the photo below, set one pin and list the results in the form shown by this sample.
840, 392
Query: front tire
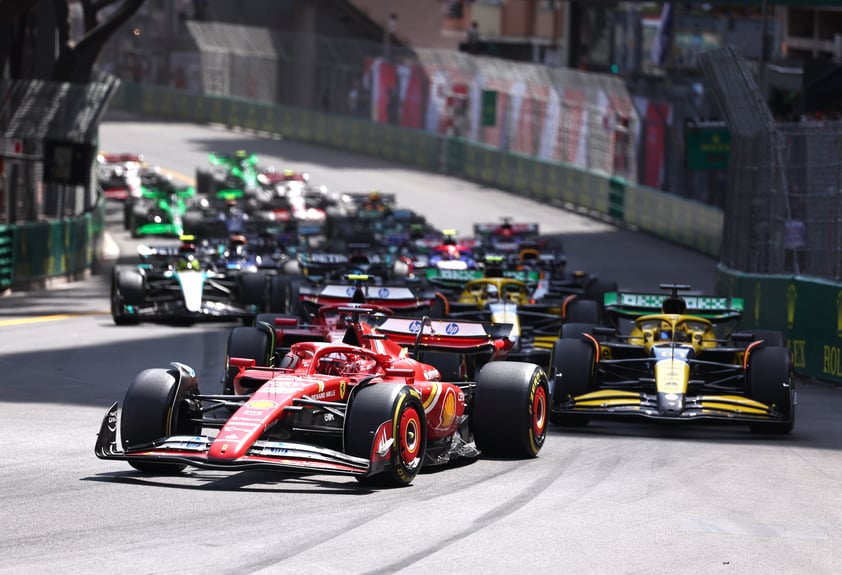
252, 289
572, 372
127, 288
510, 409
374, 405
158, 404
769, 381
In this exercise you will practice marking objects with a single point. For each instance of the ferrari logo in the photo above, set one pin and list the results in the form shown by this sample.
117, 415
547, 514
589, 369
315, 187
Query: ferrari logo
342, 388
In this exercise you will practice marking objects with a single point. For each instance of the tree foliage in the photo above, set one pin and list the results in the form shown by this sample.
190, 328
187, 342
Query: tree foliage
35, 37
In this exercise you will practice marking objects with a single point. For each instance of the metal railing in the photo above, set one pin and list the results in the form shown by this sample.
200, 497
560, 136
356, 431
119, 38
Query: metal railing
783, 213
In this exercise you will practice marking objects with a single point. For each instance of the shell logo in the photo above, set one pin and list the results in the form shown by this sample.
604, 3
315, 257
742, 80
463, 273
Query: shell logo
262, 404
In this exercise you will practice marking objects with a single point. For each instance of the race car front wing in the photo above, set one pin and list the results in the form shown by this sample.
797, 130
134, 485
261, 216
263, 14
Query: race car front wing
191, 450
612, 402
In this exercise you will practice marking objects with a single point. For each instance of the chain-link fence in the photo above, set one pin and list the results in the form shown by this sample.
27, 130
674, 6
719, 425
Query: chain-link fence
557, 114
782, 213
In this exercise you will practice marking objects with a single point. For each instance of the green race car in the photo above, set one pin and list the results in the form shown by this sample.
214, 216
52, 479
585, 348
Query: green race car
160, 209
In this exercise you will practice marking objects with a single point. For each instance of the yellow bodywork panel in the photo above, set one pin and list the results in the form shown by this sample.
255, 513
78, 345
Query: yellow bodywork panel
671, 376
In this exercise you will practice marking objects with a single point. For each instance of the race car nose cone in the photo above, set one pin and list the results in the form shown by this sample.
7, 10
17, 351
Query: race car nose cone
670, 404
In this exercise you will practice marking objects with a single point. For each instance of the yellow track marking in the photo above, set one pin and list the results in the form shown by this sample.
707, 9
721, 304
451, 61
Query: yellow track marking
43, 318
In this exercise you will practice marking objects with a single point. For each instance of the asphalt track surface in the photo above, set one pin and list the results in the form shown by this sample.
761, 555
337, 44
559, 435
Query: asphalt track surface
611, 498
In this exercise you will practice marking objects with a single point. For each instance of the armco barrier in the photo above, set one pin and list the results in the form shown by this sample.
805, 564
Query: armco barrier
7, 256
67, 248
807, 310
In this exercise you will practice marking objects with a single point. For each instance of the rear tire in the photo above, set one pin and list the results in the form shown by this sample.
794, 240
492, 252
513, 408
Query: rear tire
596, 291
572, 372
127, 288
370, 407
582, 311
204, 183
278, 294
510, 409
145, 417
246, 342
769, 381
252, 289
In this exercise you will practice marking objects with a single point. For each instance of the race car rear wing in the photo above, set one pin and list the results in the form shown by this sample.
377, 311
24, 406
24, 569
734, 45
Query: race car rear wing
377, 293
459, 336
631, 305
458, 278
518, 229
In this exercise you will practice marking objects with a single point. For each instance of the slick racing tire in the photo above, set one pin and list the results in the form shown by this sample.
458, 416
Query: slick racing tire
205, 185
510, 409
374, 404
769, 381
157, 405
582, 311
293, 305
596, 291
247, 342
285, 295
576, 330
572, 372
127, 288
770, 337
278, 294
252, 289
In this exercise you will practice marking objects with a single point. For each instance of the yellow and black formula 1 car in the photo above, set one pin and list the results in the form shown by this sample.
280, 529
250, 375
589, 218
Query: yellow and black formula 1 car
537, 321
683, 362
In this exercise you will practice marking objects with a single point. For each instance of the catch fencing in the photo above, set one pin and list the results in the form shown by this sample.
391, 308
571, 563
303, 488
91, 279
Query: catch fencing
557, 114
586, 120
783, 211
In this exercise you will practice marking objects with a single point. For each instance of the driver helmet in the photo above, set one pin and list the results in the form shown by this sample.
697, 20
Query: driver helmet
237, 244
187, 246
674, 305
665, 334
188, 262
491, 291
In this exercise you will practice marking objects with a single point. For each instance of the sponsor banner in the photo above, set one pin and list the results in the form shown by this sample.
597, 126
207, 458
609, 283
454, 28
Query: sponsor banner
657, 116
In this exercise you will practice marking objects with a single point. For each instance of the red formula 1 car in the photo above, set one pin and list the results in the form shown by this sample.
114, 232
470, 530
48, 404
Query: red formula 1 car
119, 175
377, 412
